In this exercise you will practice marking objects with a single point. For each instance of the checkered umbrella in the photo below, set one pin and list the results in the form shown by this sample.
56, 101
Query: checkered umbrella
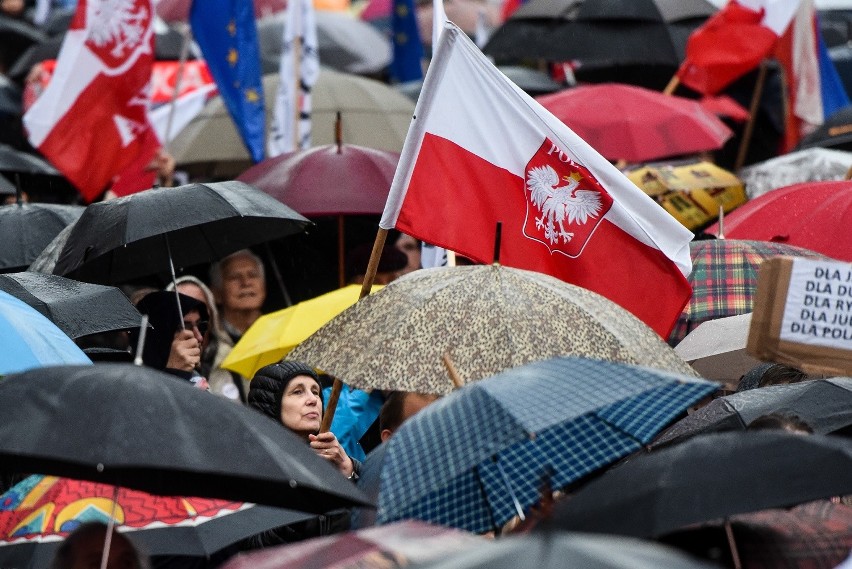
724, 279
477, 457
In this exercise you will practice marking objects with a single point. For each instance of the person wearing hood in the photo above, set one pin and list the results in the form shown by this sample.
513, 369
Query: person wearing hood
172, 345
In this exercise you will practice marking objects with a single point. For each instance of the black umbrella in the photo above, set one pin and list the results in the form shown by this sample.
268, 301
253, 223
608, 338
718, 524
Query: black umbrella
13, 160
7, 188
824, 404
556, 550
77, 308
15, 37
36, 53
835, 132
632, 41
46, 260
139, 428
707, 477
138, 235
27, 228
10, 97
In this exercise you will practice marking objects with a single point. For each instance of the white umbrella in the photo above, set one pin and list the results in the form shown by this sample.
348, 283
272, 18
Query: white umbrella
810, 165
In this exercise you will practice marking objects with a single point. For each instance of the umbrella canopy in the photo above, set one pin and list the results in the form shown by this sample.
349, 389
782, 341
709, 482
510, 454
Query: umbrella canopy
561, 418
393, 545
137, 235
30, 340
273, 335
46, 260
13, 160
16, 35
835, 132
27, 228
334, 179
809, 165
39, 512
10, 97
488, 317
708, 477
532, 81
724, 279
637, 41
813, 215
625, 122
124, 440
716, 349
345, 43
557, 550
77, 308
373, 114
824, 404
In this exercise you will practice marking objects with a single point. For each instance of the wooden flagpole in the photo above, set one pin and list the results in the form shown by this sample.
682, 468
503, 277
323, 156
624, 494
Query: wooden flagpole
672, 85
369, 278
752, 117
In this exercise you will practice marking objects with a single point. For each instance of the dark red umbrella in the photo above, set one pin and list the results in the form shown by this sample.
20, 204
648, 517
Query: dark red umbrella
625, 122
813, 215
334, 179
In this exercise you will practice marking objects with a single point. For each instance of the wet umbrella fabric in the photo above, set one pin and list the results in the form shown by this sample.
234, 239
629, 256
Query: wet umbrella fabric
824, 404
77, 308
488, 317
135, 236
561, 418
724, 278
707, 477
333, 179
27, 228
394, 545
624, 115
29, 340
813, 215
833, 133
557, 550
809, 165
39, 512
10, 97
105, 423
13, 160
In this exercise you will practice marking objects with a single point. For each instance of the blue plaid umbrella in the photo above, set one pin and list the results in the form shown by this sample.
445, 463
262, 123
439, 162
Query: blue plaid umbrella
476, 458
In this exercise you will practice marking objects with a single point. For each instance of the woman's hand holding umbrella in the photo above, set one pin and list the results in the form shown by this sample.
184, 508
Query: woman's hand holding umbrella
327, 446
186, 351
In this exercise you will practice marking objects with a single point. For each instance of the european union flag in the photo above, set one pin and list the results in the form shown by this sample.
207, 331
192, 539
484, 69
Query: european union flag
226, 33
407, 47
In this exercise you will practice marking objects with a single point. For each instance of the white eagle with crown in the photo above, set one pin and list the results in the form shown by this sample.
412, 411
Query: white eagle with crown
561, 204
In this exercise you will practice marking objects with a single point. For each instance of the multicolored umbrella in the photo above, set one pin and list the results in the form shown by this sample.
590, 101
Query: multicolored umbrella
813, 215
39, 512
487, 317
724, 279
478, 457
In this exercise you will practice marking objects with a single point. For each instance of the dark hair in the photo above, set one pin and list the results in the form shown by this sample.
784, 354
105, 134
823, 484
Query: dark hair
780, 421
390, 415
766, 374
65, 555
269, 383
162, 311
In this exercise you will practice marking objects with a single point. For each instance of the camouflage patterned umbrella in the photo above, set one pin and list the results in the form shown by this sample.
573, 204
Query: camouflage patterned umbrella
489, 318
724, 279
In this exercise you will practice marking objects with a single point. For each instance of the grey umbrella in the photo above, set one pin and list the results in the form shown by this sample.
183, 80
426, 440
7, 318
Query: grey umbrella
27, 228
13, 160
809, 165
46, 260
77, 308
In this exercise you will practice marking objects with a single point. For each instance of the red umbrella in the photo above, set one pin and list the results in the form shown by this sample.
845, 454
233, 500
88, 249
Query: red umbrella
813, 215
336, 179
625, 122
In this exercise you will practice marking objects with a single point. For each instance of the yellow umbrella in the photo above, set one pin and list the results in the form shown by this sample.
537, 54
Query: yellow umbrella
273, 335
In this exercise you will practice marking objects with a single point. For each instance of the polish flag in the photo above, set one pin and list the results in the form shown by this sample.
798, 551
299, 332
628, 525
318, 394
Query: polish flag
480, 150
733, 42
91, 121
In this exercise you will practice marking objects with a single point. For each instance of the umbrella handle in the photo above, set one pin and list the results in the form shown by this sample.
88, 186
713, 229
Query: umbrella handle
109, 529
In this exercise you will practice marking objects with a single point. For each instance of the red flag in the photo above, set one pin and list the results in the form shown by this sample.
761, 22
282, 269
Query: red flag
91, 121
733, 42
480, 150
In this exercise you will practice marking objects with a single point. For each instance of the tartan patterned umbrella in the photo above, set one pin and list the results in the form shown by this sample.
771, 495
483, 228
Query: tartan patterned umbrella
488, 317
476, 458
724, 279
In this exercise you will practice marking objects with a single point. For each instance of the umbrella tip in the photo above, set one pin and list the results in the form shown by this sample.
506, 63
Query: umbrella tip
338, 133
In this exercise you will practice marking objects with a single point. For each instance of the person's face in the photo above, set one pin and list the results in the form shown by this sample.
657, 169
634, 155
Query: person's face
301, 407
408, 245
90, 549
192, 321
243, 287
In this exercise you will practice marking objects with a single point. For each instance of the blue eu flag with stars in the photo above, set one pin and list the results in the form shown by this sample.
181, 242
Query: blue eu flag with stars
407, 47
226, 33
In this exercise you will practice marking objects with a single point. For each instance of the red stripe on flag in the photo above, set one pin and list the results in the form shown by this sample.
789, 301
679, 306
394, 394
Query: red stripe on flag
460, 213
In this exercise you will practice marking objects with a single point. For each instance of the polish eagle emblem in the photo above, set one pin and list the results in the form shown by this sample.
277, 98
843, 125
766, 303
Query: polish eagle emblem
560, 204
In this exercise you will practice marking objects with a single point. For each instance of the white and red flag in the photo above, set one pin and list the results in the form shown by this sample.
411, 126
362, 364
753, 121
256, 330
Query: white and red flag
91, 121
479, 150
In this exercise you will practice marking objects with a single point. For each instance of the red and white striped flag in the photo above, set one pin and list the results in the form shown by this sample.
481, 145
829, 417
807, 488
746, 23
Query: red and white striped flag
91, 121
480, 150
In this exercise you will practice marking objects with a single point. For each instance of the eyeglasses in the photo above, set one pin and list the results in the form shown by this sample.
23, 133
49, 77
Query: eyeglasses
201, 326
